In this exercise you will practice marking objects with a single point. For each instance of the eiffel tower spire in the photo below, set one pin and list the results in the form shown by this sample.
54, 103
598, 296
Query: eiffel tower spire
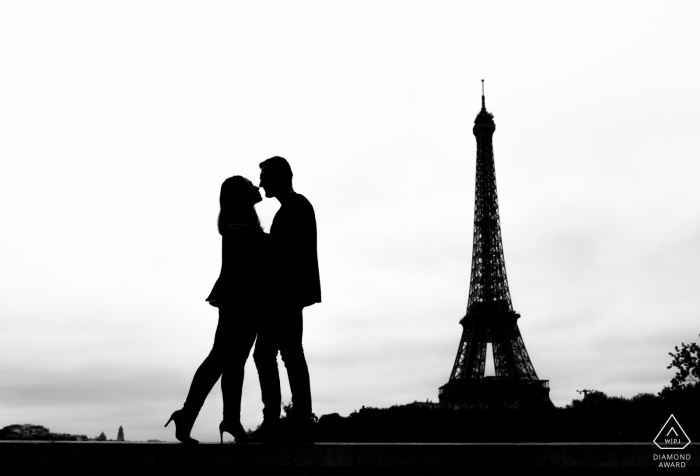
483, 97
490, 316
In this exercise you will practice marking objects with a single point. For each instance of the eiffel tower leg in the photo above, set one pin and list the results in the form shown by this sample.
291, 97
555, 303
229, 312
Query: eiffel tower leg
480, 337
503, 360
523, 364
458, 369
471, 357
479, 363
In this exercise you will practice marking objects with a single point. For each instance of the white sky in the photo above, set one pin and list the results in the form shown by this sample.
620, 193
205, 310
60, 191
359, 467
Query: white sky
119, 121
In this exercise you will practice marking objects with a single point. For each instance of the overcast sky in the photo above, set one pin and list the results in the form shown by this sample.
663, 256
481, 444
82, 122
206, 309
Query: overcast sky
119, 121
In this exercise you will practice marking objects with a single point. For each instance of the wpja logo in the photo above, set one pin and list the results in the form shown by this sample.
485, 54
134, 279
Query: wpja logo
671, 437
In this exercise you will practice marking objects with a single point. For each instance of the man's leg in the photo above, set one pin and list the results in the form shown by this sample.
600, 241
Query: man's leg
265, 357
290, 345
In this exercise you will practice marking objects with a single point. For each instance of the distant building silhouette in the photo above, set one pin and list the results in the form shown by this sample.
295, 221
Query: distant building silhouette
36, 432
490, 317
120, 434
23, 432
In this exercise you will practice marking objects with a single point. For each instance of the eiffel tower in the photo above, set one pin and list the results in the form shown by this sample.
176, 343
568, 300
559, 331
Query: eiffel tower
490, 316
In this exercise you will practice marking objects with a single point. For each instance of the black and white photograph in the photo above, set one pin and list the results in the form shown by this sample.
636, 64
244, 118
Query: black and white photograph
449, 237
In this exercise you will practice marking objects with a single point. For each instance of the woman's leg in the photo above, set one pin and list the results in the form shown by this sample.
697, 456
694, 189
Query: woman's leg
240, 341
209, 371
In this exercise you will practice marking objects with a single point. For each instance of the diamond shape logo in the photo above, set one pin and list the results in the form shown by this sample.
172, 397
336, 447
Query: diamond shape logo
672, 436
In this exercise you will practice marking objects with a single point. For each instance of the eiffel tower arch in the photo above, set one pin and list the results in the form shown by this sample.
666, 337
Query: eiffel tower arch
490, 317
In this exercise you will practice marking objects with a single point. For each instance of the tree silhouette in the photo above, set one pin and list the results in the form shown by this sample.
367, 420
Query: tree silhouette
686, 360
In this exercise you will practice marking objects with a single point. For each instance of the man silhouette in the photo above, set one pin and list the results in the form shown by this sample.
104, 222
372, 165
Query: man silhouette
295, 284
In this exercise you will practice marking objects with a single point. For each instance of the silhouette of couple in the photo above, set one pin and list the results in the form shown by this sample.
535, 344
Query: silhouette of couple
266, 281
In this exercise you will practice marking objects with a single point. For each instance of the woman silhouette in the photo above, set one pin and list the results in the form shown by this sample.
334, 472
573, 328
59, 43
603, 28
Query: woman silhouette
238, 295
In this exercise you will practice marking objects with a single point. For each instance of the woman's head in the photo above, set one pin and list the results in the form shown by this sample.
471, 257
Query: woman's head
237, 198
238, 191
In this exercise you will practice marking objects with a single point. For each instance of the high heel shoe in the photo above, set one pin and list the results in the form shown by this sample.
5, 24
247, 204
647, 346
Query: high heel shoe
183, 425
236, 430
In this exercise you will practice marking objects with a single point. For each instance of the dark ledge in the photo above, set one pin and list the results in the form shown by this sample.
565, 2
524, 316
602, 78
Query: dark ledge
124, 458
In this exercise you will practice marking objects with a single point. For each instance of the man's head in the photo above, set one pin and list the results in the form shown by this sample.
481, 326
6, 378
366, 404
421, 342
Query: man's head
275, 176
